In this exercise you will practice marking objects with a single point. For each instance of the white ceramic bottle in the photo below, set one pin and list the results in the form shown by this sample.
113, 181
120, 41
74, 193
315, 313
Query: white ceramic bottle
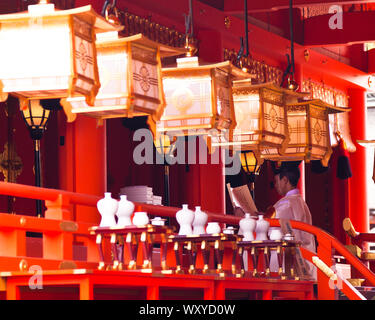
124, 212
185, 218
261, 229
247, 225
200, 220
140, 218
213, 227
107, 208
275, 234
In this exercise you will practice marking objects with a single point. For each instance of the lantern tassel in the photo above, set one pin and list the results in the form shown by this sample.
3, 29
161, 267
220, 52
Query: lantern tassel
344, 170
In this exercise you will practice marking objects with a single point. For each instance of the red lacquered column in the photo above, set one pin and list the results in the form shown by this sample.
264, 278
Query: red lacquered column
358, 211
83, 163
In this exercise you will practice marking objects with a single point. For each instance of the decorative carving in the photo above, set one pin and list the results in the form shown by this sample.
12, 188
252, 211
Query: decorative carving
272, 96
10, 163
325, 93
318, 113
134, 24
261, 71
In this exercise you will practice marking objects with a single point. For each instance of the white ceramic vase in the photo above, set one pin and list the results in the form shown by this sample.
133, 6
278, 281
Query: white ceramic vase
247, 225
185, 218
140, 218
275, 234
213, 227
261, 229
107, 208
200, 220
124, 212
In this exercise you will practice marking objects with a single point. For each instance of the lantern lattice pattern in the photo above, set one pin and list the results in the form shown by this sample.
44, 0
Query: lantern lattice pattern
130, 77
198, 98
262, 123
308, 124
47, 53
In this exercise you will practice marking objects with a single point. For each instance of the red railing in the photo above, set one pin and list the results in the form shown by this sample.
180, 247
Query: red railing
58, 229
326, 244
58, 202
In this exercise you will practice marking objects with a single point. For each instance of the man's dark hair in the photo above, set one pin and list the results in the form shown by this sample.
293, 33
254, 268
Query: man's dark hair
292, 175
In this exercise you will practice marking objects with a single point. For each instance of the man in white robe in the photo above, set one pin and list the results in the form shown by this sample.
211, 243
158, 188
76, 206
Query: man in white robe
293, 207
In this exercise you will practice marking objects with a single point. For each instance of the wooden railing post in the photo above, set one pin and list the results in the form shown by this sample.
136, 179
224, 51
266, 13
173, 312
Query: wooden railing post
59, 244
325, 287
58, 209
12, 243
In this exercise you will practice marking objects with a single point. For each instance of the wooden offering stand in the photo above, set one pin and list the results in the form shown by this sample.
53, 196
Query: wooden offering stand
283, 248
132, 236
205, 242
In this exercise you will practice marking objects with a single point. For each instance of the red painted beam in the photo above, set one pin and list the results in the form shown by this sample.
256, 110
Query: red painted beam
264, 45
356, 28
237, 6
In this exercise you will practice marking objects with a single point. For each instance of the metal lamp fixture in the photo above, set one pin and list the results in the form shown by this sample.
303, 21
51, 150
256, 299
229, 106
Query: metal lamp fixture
47, 53
36, 118
251, 167
249, 162
165, 148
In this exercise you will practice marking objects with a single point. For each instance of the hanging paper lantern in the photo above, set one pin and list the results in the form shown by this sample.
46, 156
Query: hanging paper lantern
47, 53
308, 124
261, 116
198, 97
130, 76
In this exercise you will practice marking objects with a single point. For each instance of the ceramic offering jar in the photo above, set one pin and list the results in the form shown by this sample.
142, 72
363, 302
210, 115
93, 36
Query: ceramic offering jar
107, 208
200, 220
275, 234
140, 219
185, 218
213, 227
248, 225
158, 221
124, 212
229, 230
261, 229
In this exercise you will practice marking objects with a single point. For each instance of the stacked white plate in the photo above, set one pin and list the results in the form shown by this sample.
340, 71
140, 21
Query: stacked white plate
141, 194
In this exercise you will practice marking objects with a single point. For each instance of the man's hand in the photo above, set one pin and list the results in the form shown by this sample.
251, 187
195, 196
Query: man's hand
238, 212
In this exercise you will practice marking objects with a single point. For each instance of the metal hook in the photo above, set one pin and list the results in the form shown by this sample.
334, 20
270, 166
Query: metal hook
108, 6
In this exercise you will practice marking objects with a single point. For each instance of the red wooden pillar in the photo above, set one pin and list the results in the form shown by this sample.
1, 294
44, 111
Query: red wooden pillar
339, 200
82, 159
212, 176
212, 184
358, 211
202, 181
